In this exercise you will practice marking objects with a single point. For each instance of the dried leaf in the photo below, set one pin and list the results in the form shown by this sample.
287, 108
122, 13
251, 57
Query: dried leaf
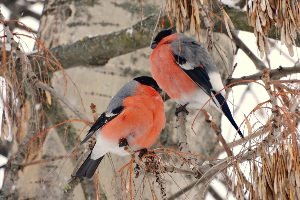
258, 25
291, 16
275, 184
183, 11
282, 35
178, 27
297, 175
248, 125
291, 50
263, 5
48, 97
266, 45
227, 22
262, 18
293, 32
269, 10
272, 4
192, 25
288, 38
252, 18
283, 8
228, 29
23, 122
297, 192
261, 44
196, 12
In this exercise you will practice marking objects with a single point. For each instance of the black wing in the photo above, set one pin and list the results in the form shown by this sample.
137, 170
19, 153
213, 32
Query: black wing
197, 73
224, 106
101, 121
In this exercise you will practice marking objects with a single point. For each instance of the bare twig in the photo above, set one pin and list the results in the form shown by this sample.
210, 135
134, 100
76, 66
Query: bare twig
258, 63
65, 101
211, 170
242, 140
218, 132
232, 33
181, 132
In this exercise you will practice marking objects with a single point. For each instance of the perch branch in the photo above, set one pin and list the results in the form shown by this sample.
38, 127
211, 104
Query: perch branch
258, 63
218, 132
181, 131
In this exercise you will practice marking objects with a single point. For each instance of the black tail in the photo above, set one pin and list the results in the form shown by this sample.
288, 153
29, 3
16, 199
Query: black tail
227, 112
88, 168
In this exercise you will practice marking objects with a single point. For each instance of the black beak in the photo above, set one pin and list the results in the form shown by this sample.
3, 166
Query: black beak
159, 90
153, 45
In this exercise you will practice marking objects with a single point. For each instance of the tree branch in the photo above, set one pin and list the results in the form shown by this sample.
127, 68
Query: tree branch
275, 74
258, 63
182, 131
99, 49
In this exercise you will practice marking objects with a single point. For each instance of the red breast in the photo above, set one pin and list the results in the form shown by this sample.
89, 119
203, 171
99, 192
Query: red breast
169, 76
143, 115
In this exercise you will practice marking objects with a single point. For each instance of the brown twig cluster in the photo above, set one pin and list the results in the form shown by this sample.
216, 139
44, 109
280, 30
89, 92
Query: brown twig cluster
273, 168
284, 15
24, 91
264, 16
190, 15
277, 175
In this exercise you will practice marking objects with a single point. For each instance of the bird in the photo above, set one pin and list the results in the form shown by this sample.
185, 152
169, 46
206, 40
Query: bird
134, 118
183, 68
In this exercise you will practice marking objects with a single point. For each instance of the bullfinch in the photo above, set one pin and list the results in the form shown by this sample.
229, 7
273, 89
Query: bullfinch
134, 117
184, 69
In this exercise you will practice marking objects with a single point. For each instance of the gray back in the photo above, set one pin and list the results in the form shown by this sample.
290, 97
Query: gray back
127, 90
193, 52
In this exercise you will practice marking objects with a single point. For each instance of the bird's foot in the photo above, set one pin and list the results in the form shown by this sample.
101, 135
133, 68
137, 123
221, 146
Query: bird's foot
123, 142
142, 152
92, 143
137, 169
181, 108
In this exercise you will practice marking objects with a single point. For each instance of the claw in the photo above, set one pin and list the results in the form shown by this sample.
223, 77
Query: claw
123, 142
142, 152
181, 108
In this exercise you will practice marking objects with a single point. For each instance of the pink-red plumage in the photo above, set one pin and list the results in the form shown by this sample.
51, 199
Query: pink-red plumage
135, 115
143, 115
183, 68
167, 73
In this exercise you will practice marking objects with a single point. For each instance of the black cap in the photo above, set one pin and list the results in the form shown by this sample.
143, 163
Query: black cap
147, 80
161, 35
